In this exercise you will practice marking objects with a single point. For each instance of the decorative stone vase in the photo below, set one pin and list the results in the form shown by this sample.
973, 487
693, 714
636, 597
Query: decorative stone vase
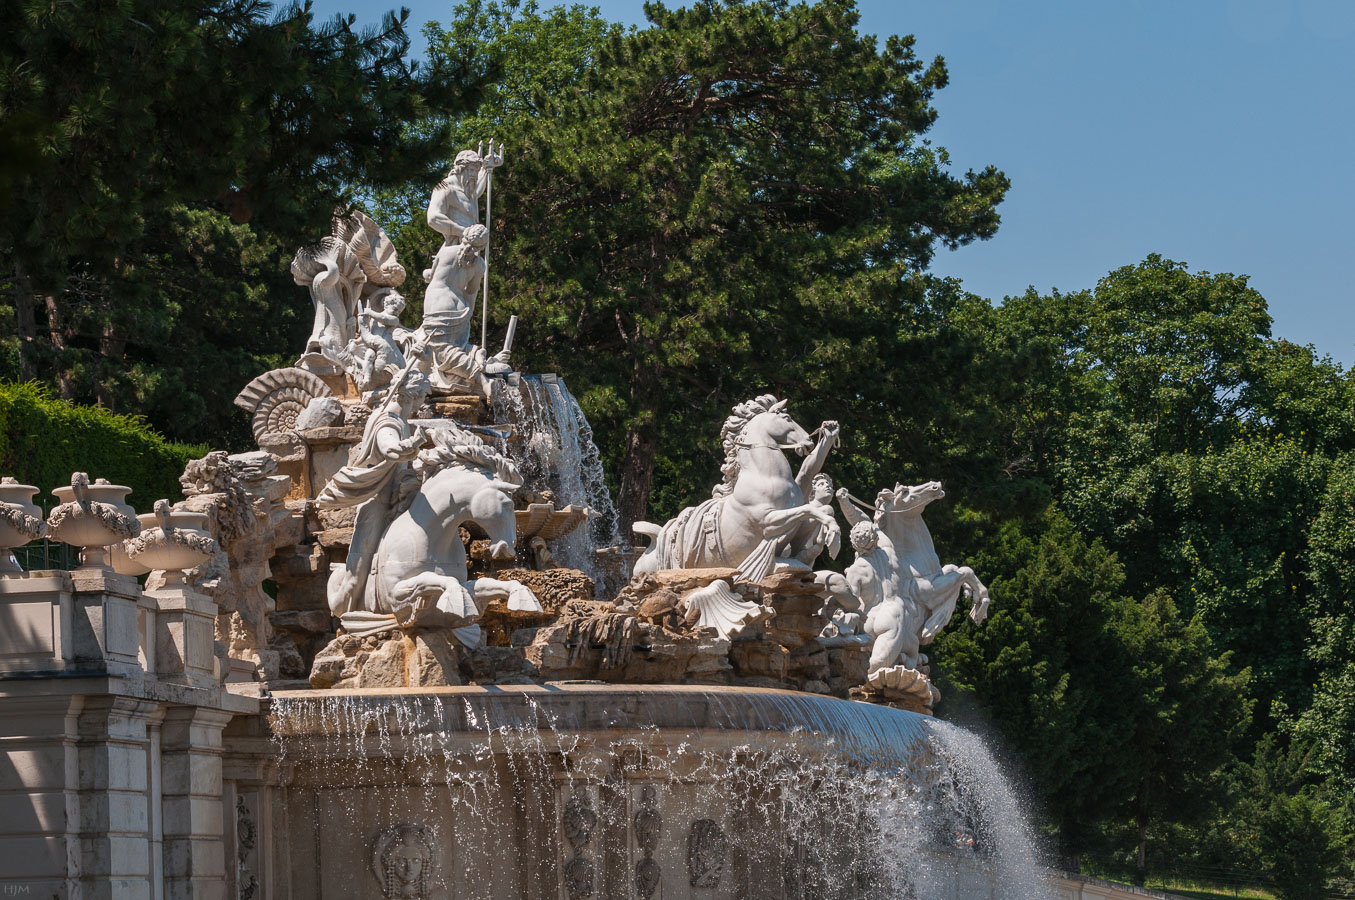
176, 541
20, 521
117, 553
93, 516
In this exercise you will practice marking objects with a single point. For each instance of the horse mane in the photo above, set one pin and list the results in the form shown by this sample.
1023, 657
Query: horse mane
453, 446
738, 420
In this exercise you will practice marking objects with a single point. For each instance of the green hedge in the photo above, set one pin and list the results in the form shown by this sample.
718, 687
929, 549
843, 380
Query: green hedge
43, 440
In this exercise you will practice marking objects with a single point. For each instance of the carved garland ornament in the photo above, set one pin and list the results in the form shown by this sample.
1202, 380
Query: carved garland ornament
578, 822
184, 537
648, 825
22, 522
112, 518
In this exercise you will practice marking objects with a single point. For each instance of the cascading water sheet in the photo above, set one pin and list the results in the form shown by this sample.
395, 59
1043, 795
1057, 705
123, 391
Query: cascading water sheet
554, 450
832, 799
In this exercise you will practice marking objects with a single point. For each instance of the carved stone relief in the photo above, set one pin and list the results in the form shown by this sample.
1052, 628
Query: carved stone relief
404, 861
578, 822
246, 836
648, 825
707, 847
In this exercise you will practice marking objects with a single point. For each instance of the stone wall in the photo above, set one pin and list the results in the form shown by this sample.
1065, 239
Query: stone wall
112, 710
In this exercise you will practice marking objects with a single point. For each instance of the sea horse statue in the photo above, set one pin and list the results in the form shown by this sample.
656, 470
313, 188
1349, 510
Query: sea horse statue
760, 505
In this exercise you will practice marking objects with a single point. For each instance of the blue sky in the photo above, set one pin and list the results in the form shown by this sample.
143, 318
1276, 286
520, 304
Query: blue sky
1220, 133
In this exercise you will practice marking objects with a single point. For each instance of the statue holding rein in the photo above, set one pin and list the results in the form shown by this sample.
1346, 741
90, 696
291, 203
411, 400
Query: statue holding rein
757, 506
937, 587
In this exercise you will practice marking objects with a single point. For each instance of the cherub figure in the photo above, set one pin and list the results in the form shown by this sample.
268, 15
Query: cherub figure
382, 335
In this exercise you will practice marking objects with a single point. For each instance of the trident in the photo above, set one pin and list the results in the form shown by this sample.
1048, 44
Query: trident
489, 202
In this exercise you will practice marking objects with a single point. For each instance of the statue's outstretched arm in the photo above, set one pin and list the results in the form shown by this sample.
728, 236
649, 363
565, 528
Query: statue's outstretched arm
815, 459
850, 511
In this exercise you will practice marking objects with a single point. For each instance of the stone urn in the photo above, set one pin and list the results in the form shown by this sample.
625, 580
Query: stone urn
92, 516
20, 521
172, 541
117, 553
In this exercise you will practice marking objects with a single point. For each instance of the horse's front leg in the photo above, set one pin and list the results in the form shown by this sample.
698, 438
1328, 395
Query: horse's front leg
518, 596
977, 591
939, 595
780, 522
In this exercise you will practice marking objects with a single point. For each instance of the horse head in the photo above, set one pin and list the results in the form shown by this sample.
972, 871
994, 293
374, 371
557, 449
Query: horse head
491, 508
909, 499
775, 428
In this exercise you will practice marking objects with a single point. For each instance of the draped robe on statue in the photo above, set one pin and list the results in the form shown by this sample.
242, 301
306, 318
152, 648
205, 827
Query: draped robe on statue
369, 482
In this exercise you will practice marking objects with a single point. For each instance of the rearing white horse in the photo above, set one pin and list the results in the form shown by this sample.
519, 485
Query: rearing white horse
899, 515
759, 503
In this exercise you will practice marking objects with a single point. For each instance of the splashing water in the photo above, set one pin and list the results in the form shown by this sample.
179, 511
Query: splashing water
835, 799
555, 451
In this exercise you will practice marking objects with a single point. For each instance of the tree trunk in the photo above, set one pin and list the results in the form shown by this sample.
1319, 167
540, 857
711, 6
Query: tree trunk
58, 337
1141, 814
637, 473
1070, 856
25, 326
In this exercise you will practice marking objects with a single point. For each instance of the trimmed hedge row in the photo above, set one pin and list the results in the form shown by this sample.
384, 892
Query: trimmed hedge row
44, 439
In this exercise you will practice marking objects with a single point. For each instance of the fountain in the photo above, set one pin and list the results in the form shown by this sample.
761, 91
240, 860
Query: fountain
392, 653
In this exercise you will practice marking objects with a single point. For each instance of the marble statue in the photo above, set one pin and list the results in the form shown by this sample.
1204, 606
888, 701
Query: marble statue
378, 471
342, 272
381, 333
453, 283
455, 204
753, 521
907, 595
813, 536
406, 564
457, 274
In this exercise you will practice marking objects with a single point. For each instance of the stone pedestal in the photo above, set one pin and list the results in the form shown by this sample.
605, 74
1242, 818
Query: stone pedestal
36, 633
194, 820
115, 801
185, 622
110, 740
104, 621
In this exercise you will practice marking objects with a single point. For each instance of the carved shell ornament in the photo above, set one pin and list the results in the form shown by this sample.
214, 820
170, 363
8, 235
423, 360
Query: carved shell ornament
276, 398
579, 820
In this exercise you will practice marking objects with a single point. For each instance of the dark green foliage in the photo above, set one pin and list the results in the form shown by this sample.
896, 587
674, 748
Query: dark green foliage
736, 199
43, 440
161, 160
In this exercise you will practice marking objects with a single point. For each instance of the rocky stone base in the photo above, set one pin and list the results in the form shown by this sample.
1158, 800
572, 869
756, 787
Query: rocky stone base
645, 637
433, 658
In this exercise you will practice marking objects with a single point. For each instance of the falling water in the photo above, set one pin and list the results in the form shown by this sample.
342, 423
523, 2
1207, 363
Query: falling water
841, 800
555, 451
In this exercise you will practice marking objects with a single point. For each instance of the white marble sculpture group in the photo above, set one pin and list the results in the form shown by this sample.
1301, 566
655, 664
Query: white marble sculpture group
762, 519
404, 494
353, 275
414, 488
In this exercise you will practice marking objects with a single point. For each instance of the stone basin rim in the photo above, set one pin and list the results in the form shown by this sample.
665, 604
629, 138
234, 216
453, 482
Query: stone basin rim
723, 713
569, 687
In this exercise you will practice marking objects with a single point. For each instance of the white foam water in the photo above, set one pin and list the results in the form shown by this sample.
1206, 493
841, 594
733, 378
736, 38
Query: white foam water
834, 800
555, 451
